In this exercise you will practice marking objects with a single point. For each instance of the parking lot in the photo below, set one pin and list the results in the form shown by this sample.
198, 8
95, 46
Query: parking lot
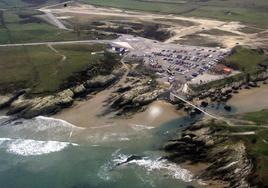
172, 62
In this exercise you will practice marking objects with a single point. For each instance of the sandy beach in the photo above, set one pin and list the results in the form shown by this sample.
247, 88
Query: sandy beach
89, 113
250, 100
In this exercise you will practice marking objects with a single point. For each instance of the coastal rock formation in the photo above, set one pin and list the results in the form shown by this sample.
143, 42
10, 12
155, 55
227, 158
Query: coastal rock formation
29, 108
147, 98
6, 100
26, 107
100, 81
79, 90
127, 97
210, 143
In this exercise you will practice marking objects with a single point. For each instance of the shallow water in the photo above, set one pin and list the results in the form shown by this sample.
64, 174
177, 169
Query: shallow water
45, 152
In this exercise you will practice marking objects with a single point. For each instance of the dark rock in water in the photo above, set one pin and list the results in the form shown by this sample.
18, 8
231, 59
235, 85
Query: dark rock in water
227, 108
180, 106
204, 104
194, 112
198, 111
247, 87
224, 98
131, 158
187, 108
265, 82
235, 91
229, 96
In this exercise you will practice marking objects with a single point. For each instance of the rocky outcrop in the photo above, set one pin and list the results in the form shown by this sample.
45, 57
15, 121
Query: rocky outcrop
29, 108
6, 100
79, 90
26, 107
210, 143
100, 81
147, 98
127, 97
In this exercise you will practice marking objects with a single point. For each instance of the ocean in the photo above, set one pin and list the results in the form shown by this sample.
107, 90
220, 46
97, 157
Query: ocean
51, 153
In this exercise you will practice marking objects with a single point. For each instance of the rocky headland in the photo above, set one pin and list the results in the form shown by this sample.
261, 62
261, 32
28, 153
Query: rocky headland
212, 143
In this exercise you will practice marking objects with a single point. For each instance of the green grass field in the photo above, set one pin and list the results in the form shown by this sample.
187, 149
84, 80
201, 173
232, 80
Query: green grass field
246, 59
22, 26
43, 70
260, 117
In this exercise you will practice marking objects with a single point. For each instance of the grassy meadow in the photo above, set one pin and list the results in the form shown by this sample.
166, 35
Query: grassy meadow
245, 59
42, 69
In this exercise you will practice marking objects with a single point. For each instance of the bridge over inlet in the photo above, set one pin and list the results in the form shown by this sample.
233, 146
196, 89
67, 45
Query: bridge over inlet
173, 96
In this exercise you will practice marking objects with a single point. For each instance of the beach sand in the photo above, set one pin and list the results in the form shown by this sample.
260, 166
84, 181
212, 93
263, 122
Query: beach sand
250, 100
89, 113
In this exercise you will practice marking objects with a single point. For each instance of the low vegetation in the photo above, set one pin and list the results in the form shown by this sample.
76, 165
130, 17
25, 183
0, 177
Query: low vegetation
198, 40
256, 143
27, 25
260, 117
44, 70
245, 59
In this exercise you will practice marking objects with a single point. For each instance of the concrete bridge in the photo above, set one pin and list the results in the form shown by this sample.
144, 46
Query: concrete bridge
173, 96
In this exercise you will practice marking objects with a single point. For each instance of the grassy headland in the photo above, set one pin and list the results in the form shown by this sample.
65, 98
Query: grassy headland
43, 70
245, 59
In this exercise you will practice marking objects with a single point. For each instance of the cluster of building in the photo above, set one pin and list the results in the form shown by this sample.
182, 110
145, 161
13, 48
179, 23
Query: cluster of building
186, 63
177, 64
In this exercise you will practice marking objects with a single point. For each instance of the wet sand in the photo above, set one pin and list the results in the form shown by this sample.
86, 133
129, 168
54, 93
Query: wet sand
89, 113
254, 99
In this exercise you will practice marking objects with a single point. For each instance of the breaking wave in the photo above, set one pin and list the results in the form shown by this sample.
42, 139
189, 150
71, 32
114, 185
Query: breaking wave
28, 147
150, 165
137, 127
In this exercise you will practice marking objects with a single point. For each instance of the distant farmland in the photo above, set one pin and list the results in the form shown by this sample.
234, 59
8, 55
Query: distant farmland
247, 11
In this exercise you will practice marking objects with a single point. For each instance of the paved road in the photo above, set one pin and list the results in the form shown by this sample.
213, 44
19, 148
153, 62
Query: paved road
55, 43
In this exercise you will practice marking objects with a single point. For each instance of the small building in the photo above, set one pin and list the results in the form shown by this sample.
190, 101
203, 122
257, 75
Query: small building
227, 70
221, 69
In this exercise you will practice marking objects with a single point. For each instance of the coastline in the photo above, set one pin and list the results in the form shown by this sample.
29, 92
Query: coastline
87, 114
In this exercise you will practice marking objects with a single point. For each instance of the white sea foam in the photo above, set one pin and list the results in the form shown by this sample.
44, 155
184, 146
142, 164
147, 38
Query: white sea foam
28, 147
53, 121
171, 169
102, 126
137, 127
150, 165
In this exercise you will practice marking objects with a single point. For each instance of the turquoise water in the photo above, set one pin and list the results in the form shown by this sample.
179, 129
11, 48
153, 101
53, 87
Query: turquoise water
48, 153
